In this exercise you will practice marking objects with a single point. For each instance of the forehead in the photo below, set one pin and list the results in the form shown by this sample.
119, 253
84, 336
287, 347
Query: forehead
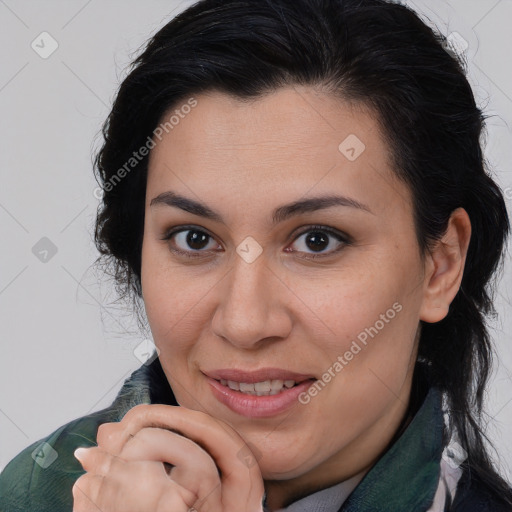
292, 141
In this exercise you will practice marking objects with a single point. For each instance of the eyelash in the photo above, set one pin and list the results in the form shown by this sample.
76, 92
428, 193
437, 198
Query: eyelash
340, 237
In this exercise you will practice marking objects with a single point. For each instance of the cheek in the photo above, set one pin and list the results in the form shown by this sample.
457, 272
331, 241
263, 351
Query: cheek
179, 310
347, 302
369, 321
168, 300
165, 288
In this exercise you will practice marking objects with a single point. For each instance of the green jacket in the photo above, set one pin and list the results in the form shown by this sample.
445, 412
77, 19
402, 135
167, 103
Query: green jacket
40, 478
405, 479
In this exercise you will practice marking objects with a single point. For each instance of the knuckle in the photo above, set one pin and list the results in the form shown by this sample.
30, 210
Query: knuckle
101, 462
110, 463
106, 432
137, 410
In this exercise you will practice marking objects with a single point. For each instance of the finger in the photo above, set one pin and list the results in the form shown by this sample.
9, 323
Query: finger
172, 501
143, 486
194, 469
83, 490
107, 435
242, 484
134, 486
96, 460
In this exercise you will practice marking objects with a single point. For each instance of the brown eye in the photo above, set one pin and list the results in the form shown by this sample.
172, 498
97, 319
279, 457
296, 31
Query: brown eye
194, 239
321, 241
190, 241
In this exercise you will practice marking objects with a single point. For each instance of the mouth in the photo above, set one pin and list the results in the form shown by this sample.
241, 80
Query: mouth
258, 394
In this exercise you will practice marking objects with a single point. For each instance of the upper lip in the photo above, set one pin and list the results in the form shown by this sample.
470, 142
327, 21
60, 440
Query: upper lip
260, 375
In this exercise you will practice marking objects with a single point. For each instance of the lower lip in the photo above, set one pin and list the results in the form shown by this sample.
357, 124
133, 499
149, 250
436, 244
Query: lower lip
254, 406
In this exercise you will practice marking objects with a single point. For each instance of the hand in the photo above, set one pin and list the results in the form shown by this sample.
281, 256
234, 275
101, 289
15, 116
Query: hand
126, 471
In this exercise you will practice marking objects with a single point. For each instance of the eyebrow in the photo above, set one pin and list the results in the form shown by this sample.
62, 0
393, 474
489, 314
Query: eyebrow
280, 214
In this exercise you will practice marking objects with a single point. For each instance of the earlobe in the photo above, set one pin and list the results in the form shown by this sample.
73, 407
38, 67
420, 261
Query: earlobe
445, 268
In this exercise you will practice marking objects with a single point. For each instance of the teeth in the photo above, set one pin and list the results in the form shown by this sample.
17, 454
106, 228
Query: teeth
265, 388
277, 385
233, 385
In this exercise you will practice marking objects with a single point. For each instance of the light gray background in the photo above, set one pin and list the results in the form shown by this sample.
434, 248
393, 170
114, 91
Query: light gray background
64, 351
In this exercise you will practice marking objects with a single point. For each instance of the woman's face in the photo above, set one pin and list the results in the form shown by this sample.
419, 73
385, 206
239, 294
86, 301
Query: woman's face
246, 294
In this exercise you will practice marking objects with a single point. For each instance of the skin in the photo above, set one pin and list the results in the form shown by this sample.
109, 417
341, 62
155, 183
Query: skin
243, 159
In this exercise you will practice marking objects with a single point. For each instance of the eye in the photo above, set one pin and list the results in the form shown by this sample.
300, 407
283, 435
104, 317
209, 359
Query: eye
318, 239
189, 241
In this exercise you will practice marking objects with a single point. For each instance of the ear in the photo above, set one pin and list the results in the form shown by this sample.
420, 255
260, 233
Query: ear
444, 268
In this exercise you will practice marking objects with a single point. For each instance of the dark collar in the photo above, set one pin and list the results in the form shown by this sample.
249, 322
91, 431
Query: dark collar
406, 477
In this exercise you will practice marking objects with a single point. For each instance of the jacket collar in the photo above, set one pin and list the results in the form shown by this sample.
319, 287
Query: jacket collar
146, 385
406, 477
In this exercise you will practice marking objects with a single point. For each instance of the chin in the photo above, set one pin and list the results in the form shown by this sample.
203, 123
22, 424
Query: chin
283, 465
283, 469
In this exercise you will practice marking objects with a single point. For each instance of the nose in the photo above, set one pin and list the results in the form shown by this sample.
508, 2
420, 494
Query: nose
252, 305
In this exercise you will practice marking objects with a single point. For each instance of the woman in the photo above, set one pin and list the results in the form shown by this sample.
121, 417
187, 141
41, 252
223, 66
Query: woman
296, 191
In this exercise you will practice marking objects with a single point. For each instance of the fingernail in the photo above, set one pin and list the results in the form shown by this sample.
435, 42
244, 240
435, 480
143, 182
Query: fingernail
79, 453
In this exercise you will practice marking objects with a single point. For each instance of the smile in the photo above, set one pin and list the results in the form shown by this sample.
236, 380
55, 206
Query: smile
259, 398
263, 388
